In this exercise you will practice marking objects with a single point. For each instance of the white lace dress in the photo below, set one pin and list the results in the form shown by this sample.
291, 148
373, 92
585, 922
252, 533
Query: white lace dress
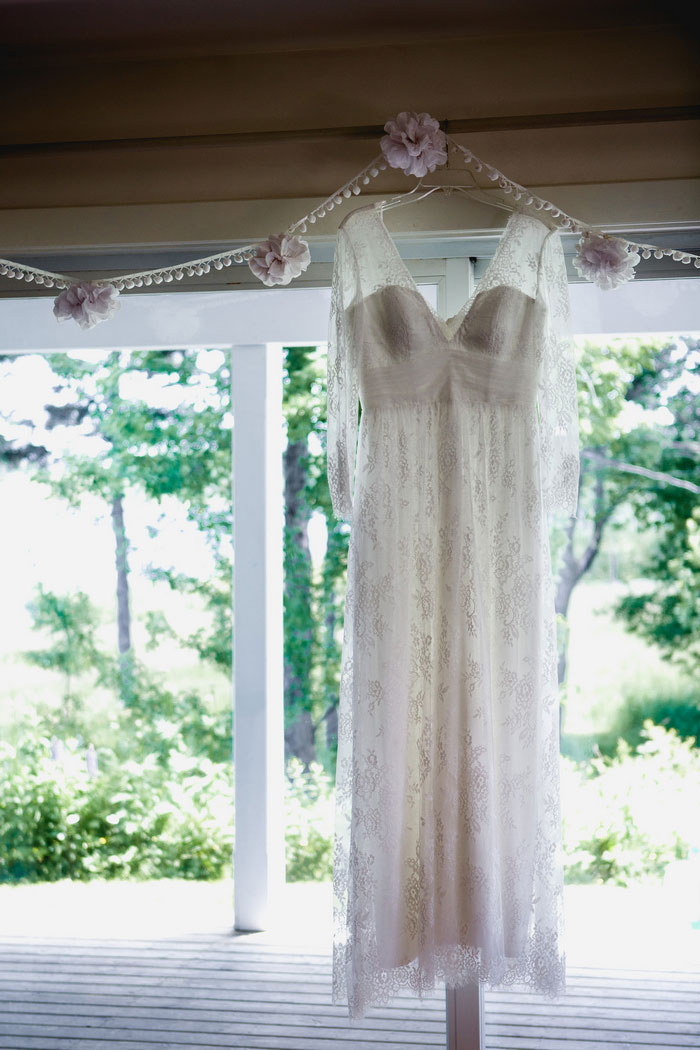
448, 856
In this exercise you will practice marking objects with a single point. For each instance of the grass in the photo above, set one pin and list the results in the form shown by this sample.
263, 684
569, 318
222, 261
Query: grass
614, 677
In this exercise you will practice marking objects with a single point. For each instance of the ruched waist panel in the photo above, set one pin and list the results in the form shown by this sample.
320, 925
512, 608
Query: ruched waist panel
445, 374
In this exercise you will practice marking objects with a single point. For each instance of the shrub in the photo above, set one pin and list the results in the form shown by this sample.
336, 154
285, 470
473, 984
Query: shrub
133, 819
681, 713
309, 833
627, 816
167, 814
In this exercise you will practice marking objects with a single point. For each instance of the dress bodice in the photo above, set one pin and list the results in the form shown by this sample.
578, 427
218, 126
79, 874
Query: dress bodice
509, 344
408, 354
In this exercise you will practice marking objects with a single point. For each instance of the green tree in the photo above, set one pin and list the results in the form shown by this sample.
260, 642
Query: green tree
629, 459
313, 601
605, 375
667, 612
300, 411
70, 621
331, 592
146, 424
143, 437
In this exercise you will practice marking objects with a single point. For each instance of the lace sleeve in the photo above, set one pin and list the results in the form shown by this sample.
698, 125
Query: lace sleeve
342, 379
557, 403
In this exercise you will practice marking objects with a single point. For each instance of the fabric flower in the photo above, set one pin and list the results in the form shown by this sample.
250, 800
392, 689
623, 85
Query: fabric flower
606, 261
414, 143
280, 259
87, 303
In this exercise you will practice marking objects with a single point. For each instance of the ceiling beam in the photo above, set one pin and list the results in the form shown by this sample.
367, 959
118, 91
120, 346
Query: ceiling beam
473, 125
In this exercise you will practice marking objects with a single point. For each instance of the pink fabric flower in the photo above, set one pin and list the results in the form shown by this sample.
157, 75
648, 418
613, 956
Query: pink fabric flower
414, 143
606, 261
87, 303
280, 259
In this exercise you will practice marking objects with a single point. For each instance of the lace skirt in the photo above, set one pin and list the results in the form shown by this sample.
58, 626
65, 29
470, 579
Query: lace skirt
447, 863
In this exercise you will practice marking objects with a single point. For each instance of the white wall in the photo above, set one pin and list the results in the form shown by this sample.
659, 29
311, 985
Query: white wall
640, 306
171, 320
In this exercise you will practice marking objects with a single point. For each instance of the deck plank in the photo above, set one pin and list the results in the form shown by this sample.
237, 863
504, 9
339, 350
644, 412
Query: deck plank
225, 1035
218, 990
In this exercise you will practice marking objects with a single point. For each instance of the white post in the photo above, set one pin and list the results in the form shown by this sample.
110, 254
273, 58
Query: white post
464, 1018
258, 863
459, 285
464, 1005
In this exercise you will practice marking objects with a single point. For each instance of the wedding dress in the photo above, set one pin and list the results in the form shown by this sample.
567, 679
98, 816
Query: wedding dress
447, 860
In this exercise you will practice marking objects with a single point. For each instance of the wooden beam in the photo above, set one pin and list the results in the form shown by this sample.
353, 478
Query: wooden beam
461, 126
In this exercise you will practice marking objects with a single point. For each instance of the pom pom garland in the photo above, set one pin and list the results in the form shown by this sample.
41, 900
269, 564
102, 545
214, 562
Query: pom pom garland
280, 259
606, 261
87, 303
413, 143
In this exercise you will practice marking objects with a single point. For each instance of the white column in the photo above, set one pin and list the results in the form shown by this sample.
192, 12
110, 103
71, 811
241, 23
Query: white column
459, 285
258, 863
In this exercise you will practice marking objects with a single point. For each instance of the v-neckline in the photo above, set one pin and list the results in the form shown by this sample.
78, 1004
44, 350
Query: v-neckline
452, 325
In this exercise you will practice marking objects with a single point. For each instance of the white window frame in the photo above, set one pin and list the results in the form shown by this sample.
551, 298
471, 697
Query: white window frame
232, 320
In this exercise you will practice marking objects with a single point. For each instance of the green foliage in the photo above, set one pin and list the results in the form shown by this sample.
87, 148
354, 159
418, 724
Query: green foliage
331, 594
135, 819
682, 714
173, 439
176, 441
666, 611
627, 816
605, 372
309, 821
607, 368
70, 621
302, 408
640, 468
163, 814
159, 422
299, 627
213, 640
159, 720
608, 372
166, 445
313, 602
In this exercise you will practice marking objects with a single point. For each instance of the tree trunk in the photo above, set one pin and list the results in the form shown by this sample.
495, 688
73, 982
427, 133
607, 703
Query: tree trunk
67, 698
123, 611
331, 716
300, 733
332, 590
566, 581
300, 739
332, 729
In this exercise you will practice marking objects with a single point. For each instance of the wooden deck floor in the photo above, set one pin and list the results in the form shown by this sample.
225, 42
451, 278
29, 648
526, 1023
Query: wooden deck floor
215, 991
